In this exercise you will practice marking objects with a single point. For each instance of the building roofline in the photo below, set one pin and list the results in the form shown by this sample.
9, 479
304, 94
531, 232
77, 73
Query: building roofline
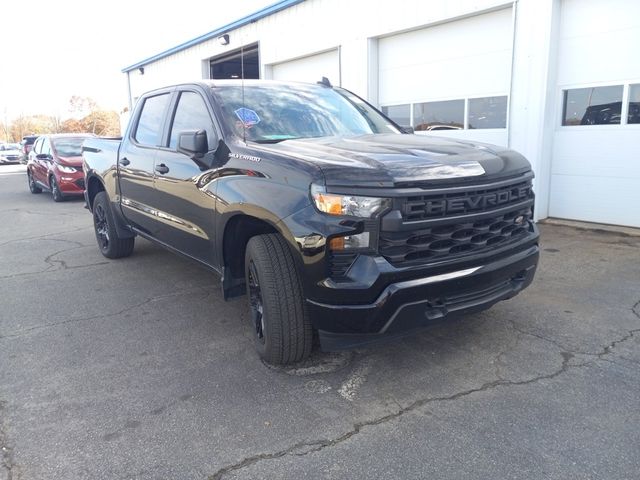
260, 14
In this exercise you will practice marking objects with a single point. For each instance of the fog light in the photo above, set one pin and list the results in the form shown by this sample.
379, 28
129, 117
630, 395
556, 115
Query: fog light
360, 240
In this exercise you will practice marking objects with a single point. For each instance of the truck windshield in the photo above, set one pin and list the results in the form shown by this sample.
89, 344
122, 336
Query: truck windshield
273, 113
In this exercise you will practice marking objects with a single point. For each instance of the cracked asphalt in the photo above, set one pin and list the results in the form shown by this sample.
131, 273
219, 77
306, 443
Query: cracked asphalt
137, 369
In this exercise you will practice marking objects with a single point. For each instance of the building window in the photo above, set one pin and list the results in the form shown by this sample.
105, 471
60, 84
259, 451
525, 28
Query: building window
401, 114
447, 115
634, 104
488, 112
593, 106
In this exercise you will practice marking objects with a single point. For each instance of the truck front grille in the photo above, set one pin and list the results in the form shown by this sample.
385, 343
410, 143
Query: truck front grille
478, 199
456, 239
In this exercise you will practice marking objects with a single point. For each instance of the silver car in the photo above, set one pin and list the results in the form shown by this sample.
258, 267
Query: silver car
10, 153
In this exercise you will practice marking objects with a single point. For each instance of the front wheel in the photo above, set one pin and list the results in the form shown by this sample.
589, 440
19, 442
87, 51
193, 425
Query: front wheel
279, 318
111, 245
55, 190
33, 187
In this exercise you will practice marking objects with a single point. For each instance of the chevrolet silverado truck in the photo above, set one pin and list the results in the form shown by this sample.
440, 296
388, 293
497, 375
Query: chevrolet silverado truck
331, 218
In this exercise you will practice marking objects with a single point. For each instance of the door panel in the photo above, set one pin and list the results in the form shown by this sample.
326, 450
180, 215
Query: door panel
136, 164
186, 213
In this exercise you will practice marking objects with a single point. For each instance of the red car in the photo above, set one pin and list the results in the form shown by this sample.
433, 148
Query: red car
55, 164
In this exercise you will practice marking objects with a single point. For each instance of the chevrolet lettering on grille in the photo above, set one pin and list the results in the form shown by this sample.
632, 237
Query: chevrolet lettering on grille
477, 202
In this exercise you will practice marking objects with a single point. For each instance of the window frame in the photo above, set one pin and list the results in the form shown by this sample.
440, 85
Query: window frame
163, 124
37, 144
624, 111
465, 114
627, 103
173, 109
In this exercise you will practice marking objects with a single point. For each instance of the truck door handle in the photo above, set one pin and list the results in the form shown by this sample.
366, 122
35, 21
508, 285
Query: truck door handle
162, 169
124, 162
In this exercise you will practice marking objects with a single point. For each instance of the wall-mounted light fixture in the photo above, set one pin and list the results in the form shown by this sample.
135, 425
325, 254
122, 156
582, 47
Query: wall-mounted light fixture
224, 39
141, 70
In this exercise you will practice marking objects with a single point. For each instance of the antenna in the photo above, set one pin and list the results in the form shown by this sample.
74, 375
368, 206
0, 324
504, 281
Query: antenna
325, 81
244, 124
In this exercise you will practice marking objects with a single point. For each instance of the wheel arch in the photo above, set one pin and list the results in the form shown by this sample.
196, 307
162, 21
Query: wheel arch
237, 230
93, 187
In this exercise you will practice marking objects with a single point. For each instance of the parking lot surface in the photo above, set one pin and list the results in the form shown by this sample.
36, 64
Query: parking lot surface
137, 369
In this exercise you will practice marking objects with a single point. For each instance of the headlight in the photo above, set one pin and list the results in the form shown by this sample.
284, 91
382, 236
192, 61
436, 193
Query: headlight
333, 204
65, 169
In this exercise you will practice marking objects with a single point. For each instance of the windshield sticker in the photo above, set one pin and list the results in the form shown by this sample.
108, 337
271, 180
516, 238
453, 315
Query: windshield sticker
247, 116
278, 137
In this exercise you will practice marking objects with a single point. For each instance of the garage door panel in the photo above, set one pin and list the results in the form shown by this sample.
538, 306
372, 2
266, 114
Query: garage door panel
441, 62
595, 169
591, 199
309, 69
446, 79
450, 40
599, 56
609, 152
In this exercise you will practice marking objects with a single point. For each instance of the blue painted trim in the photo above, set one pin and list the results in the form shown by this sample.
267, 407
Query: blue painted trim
265, 12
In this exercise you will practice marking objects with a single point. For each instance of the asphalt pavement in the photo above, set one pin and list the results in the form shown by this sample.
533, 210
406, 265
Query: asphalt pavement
137, 369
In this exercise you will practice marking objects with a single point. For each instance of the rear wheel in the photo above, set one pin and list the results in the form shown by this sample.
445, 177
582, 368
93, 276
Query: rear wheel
55, 190
110, 244
33, 187
279, 319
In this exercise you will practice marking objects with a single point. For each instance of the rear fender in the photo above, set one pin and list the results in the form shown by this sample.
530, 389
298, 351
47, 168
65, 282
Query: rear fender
94, 185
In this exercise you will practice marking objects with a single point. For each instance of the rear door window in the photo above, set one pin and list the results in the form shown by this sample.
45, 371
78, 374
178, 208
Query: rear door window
151, 120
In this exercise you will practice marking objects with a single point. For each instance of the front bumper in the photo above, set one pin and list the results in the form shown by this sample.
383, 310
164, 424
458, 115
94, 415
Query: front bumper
409, 304
71, 183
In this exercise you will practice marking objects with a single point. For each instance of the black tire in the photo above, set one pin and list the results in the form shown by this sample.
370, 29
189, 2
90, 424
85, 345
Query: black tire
56, 193
109, 243
33, 187
279, 319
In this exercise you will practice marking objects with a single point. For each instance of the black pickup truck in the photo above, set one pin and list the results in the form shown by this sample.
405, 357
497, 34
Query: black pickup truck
332, 218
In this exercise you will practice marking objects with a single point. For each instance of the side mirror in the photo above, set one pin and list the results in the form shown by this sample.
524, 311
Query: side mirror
406, 129
193, 143
43, 156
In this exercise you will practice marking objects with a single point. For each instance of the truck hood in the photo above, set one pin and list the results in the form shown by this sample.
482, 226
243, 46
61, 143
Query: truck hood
389, 160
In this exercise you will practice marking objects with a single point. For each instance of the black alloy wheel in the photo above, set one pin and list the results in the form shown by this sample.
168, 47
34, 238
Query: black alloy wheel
278, 316
102, 227
112, 243
255, 302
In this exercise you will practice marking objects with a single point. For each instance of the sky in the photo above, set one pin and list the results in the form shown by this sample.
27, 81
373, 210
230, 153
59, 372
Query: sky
51, 50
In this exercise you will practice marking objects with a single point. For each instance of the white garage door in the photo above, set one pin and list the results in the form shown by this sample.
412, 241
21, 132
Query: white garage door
595, 169
453, 78
310, 69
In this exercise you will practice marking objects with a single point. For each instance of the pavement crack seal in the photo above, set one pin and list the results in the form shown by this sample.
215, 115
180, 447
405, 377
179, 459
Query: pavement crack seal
606, 350
304, 448
45, 237
106, 315
57, 265
6, 452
